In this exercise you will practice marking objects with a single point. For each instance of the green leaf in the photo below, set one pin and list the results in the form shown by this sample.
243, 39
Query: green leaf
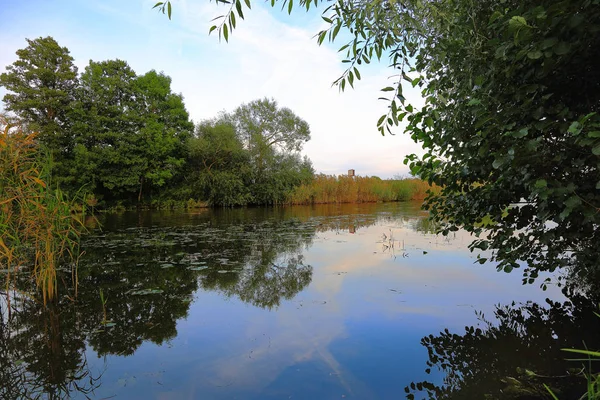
169, 9
212, 28
520, 134
160, 3
238, 7
541, 183
248, 3
388, 89
336, 31
498, 162
586, 352
550, 391
474, 102
290, 6
225, 32
562, 48
535, 54
596, 150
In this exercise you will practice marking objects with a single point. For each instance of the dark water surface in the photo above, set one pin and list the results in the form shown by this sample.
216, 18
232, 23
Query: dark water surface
324, 302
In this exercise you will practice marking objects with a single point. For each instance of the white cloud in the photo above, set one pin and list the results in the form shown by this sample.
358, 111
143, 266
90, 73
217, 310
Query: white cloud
264, 57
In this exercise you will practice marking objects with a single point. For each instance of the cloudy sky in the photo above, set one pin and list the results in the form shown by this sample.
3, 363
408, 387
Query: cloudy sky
270, 54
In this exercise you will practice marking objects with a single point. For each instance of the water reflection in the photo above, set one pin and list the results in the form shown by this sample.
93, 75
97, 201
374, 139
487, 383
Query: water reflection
318, 302
516, 352
42, 353
148, 269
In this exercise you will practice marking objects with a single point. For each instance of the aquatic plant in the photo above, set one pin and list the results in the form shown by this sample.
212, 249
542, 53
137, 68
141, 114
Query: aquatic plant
359, 189
37, 226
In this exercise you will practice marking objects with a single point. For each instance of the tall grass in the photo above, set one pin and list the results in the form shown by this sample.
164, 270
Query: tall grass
37, 228
326, 189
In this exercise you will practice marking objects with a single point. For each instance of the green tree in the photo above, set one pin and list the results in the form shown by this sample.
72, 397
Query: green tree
273, 138
511, 95
41, 85
130, 131
264, 128
219, 165
165, 128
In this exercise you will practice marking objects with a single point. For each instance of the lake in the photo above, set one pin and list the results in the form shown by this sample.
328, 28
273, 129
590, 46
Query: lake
315, 302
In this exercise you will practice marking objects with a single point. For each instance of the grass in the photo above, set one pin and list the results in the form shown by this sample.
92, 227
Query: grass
325, 189
37, 226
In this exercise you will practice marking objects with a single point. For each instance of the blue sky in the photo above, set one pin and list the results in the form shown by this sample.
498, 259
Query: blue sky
270, 54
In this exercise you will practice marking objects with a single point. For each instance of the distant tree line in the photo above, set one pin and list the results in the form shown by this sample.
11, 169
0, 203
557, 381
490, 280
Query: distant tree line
123, 138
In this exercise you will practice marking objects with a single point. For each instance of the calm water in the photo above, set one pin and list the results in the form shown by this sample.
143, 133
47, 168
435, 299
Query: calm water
323, 302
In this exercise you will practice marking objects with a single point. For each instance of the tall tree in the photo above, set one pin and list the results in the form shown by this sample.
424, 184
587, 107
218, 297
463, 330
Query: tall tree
218, 164
130, 130
165, 127
264, 128
41, 85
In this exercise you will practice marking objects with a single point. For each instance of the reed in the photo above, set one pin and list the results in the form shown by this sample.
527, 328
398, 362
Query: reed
326, 189
37, 227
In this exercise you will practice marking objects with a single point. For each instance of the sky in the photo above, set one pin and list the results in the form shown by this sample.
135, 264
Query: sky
270, 54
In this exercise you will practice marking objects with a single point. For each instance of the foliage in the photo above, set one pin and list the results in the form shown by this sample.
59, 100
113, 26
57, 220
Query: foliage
517, 354
511, 95
129, 131
249, 157
37, 226
521, 128
343, 189
41, 85
218, 164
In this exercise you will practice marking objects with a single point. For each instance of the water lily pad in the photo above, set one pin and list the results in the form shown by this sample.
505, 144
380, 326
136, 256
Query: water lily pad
143, 292
199, 268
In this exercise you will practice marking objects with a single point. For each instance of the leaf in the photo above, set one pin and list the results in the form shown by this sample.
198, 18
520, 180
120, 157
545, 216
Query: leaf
517, 22
388, 89
535, 54
169, 9
550, 391
290, 6
596, 150
160, 3
336, 31
586, 352
225, 33
541, 183
562, 48
248, 3
212, 28
238, 7
474, 102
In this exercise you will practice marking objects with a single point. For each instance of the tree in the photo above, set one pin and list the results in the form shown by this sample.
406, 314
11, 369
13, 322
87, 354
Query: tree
219, 165
510, 123
130, 130
165, 127
41, 85
265, 128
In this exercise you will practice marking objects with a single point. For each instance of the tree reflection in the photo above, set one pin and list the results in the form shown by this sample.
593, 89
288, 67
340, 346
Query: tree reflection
512, 355
148, 267
41, 353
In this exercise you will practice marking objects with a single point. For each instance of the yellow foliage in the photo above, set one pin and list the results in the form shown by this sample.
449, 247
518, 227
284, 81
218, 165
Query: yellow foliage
37, 228
344, 189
